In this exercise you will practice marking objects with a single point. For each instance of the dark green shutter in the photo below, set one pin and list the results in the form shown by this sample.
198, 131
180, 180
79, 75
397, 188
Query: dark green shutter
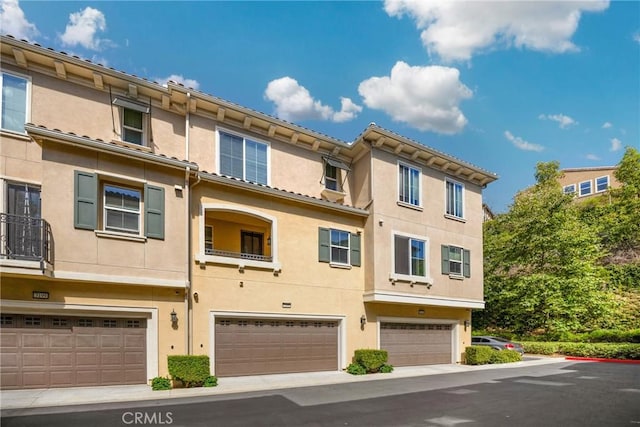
355, 250
466, 266
85, 206
445, 259
324, 242
153, 212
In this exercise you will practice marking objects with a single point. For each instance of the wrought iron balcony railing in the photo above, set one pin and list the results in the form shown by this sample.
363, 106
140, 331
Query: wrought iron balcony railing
26, 238
239, 255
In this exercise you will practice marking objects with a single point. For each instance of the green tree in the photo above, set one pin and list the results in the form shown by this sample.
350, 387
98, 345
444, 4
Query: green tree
542, 267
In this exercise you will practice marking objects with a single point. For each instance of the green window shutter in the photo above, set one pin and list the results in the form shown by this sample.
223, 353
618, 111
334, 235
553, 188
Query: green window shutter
466, 260
324, 245
355, 250
153, 212
445, 259
85, 205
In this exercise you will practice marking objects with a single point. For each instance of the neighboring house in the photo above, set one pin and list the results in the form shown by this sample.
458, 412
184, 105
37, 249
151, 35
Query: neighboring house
141, 221
487, 213
588, 182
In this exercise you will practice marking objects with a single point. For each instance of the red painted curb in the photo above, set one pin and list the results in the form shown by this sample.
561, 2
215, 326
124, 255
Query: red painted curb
597, 359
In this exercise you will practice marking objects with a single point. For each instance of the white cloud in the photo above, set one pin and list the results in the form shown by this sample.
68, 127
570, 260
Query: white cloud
521, 143
592, 157
616, 144
606, 125
456, 30
83, 27
295, 103
636, 37
178, 78
426, 98
563, 121
14, 23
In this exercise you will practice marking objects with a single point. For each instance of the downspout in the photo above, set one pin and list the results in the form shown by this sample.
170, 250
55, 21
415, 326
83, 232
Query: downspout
187, 296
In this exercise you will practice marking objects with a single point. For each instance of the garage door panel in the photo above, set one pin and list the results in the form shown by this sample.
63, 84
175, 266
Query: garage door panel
269, 346
416, 344
62, 351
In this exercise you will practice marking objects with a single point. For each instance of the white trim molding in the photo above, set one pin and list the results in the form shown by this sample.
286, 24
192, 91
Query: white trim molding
149, 313
342, 334
402, 298
119, 280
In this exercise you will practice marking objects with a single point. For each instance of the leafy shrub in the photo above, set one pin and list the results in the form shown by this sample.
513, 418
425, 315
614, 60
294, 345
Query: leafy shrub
160, 383
210, 381
356, 369
386, 369
505, 356
370, 359
478, 355
191, 370
599, 350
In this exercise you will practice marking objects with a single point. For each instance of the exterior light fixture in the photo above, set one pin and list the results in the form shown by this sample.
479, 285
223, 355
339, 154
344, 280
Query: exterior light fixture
174, 317
363, 320
466, 324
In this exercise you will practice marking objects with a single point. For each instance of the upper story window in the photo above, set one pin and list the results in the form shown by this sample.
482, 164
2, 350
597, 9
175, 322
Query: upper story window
569, 189
410, 256
454, 199
456, 261
122, 209
409, 185
333, 170
14, 102
585, 188
136, 210
602, 183
338, 247
243, 158
134, 118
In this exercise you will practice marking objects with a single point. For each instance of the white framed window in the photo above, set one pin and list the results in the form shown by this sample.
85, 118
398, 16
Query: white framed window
602, 183
331, 177
208, 239
133, 125
409, 186
14, 102
585, 188
569, 189
340, 247
456, 261
243, 158
122, 209
410, 256
454, 198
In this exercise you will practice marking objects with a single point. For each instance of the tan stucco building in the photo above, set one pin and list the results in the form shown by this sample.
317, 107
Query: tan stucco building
588, 182
141, 221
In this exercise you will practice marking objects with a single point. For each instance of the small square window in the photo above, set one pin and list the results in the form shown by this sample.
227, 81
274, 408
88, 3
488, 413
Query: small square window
122, 209
32, 321
109, 323
602, 184
133, 324
569, 189
585, 188
85, 323
410, 256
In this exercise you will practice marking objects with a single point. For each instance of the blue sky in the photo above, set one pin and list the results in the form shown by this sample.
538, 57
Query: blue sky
502, 85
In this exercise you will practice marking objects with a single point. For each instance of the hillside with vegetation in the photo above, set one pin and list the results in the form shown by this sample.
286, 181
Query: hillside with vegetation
556, 266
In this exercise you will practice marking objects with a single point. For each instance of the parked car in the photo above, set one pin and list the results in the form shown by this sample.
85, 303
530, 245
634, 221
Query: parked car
497, 343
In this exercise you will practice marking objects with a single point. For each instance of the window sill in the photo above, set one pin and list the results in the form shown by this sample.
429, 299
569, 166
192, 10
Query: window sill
456, 277
333, 195
131, 145
241, 264
337, 265
120, 236
455, 218
418, 280
15, 134
410, 206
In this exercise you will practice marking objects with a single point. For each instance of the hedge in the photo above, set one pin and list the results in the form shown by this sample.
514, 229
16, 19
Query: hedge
599, 350
369, 361
599, 335
193, 371
483, 355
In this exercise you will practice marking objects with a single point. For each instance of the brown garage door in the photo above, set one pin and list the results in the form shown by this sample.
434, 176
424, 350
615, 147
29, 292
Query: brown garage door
60, 351
411, 344
268, 346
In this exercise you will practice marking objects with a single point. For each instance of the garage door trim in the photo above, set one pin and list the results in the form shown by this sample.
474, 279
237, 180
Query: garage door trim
53, 308
453, 322
213, 315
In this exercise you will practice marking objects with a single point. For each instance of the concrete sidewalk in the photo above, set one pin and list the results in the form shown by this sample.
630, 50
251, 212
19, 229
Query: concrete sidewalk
41, 398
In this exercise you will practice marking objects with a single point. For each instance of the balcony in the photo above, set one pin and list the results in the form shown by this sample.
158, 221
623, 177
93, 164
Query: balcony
25, 241
239, 238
